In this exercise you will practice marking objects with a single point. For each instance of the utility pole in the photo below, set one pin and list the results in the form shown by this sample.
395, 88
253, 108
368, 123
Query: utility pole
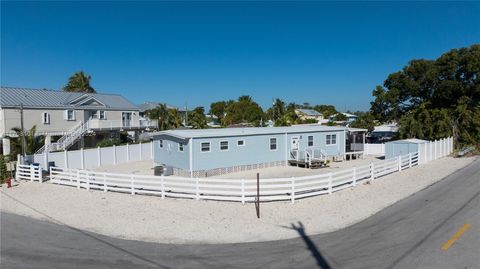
186, 114
22, 132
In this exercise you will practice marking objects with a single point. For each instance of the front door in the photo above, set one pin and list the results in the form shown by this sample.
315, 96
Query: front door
294, 142
126, 119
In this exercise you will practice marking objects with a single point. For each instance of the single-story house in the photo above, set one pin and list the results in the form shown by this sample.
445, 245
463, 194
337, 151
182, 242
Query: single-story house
350, 117
383, 133
218, 151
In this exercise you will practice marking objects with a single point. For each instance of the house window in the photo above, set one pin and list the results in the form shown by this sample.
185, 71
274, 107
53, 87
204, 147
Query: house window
45, 118
102, 115
273, 144
205, 147
70, 115
310, 140
241, 143
224, 145
180, 146
332, 139
160, 143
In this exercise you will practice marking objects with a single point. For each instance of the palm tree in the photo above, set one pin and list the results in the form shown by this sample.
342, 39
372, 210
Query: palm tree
161, 114
32, 142
79, 82
174, 118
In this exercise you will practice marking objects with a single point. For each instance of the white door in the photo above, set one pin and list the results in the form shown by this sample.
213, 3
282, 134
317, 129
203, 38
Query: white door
294, 142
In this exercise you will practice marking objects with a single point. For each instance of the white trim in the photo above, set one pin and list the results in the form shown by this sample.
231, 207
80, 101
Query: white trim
190, 155
244, 143
73, 115
220, 145
331, 144
209, 147
308, 141
47, 119
270, 143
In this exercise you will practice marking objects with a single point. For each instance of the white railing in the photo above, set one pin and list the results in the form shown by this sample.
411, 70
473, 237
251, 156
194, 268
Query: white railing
28, 172
67, 140
241, 190
121, 124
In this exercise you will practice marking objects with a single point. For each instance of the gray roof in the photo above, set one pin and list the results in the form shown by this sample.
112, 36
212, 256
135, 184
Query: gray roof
310, 112
37, 98
225, 132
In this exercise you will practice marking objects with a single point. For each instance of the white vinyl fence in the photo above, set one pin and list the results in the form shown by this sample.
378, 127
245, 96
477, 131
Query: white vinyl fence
374, 149
92, 158
28, 172
241, 190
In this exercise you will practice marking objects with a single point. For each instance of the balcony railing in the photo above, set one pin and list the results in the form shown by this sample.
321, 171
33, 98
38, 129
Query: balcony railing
121, 124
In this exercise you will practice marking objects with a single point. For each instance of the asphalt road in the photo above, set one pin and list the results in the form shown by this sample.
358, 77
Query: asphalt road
409, 234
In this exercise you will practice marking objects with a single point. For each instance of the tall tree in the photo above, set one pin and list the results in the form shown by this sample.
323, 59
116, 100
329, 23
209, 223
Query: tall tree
161, 114
434, 98
244, 110
33, 142
198, 120
79, 82
218, 109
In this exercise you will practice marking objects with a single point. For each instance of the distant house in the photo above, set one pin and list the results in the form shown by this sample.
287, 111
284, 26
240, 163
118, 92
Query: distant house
350, 117
216, 151
309, 114
66, 117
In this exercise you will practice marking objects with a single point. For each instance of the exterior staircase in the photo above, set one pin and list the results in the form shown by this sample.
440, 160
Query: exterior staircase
309, 158
67, 140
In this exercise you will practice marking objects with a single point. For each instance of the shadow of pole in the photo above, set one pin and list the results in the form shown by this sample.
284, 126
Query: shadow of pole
321, 262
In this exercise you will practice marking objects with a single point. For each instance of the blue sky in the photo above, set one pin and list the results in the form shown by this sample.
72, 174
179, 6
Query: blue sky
196, 53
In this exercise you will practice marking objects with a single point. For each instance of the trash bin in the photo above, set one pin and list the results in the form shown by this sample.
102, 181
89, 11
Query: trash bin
158, 170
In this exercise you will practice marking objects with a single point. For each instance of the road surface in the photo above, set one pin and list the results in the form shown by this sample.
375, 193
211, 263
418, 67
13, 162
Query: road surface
409, 234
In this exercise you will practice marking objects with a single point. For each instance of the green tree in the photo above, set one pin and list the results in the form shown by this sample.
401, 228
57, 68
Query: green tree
79, 82
197, 118
33, 142
161, 114
3, 169
364, 121
244, 110
174, 118
326, 110
218, 109
434, 98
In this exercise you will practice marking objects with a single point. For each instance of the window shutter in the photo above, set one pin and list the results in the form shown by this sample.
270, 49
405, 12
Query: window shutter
105, 115
48, 117
73, 112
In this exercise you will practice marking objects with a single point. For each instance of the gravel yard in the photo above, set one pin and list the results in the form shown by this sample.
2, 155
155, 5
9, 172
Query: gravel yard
150, 218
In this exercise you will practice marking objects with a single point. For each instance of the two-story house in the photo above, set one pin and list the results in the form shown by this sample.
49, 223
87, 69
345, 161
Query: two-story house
66, 117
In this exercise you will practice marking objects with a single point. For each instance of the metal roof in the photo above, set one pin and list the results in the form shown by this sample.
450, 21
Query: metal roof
226, 132
310, 112
43, 98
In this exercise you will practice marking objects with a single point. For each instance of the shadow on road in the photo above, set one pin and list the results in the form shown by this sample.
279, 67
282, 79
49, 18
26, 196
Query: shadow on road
321, 262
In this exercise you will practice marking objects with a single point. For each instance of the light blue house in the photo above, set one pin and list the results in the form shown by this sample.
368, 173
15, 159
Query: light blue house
217, 151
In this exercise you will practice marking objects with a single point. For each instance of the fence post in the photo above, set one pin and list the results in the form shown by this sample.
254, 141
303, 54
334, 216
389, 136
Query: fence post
105, 182
78, 179
197, 189
99, 156
88, 180
32, 173
354, 172
372, 174
243, 191
128, 153
410, 160
132, 187
45, 158
293, 190
65, 153
82, 159
329, 183
162, 186
114, 154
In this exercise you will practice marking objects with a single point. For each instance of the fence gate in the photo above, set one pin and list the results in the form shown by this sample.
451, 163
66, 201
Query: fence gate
28, 172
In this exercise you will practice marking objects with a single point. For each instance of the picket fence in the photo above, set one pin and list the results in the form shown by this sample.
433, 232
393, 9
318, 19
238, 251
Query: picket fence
28, 172
239, 190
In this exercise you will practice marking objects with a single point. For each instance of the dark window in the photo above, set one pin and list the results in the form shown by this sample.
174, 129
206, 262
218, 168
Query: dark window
310, 141
273, 144
223, 145
205, 146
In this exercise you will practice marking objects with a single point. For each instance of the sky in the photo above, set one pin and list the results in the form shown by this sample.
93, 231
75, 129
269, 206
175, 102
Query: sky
195, 53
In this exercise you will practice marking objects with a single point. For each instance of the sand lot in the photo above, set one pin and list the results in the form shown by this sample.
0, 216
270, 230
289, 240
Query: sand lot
150, 218
146, 168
